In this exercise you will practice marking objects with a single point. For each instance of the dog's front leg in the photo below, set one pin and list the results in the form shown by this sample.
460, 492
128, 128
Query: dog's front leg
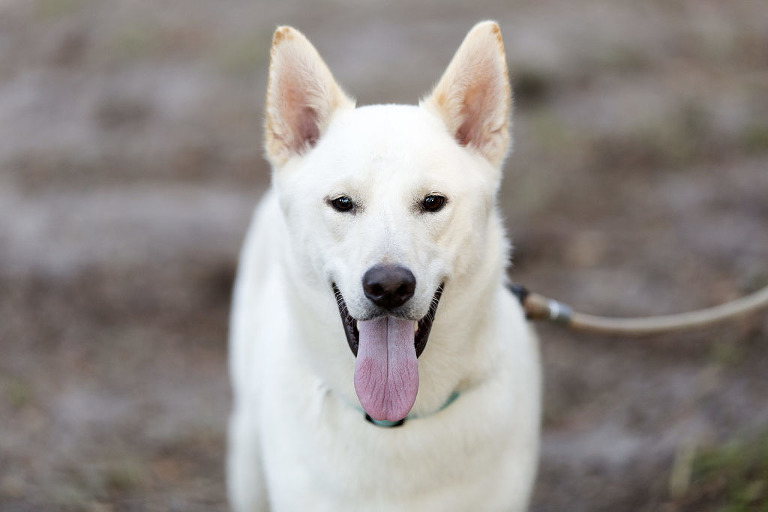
245, 480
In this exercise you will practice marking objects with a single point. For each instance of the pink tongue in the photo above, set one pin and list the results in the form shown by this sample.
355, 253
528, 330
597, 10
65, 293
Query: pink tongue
386, 370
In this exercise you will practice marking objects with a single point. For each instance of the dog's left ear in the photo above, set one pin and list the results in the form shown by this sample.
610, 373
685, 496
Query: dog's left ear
473, 96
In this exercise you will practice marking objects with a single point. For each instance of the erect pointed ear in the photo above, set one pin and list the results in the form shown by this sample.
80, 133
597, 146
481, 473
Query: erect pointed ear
301, 96
473, 96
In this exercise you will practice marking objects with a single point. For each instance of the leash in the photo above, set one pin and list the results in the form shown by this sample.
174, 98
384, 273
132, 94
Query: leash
539, 307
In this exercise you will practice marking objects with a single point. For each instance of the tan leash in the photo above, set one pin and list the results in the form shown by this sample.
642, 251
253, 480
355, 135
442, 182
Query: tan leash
539, 307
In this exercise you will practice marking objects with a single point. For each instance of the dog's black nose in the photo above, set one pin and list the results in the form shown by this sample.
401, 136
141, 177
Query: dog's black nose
389, 286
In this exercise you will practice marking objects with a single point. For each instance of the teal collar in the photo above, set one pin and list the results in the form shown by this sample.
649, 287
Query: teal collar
392, 424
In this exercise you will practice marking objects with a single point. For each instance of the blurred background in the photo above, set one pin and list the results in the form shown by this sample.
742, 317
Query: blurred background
130, 160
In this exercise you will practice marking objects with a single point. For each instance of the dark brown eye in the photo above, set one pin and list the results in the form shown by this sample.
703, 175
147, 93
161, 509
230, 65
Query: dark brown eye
433, 203
343, 204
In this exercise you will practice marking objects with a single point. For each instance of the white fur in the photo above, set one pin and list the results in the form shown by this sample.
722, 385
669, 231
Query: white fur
298, 439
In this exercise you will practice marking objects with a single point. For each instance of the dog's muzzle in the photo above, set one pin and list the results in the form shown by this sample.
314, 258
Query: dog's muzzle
424, 326
386, 347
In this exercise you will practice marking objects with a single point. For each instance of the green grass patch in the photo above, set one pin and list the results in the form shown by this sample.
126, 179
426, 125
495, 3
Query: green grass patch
531, 85
244, 55
52, 9
730, 478
550, 132
681, 138
727, 353
136, 41
18, 393
754, 138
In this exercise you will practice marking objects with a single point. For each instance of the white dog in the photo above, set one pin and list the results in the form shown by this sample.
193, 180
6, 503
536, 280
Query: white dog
371, 295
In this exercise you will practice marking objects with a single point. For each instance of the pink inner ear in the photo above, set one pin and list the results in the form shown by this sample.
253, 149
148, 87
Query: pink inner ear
301, 119
307, 128
472, 116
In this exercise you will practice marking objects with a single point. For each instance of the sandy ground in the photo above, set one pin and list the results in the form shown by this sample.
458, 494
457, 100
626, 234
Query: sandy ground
130, 160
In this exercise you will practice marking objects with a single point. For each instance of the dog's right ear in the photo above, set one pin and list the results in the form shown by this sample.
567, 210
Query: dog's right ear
301, 96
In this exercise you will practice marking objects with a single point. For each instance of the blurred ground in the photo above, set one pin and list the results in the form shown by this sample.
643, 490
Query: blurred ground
130, 159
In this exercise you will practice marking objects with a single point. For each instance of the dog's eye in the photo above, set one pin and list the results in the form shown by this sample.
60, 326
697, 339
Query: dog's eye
433, 203
342, 204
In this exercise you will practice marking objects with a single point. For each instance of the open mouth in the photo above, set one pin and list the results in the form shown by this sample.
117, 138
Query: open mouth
423, 327
386, 349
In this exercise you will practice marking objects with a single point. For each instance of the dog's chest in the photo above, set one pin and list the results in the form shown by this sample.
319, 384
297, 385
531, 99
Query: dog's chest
321, 454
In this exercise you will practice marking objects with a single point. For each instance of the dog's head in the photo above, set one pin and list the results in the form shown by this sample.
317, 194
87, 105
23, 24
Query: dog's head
387, 205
